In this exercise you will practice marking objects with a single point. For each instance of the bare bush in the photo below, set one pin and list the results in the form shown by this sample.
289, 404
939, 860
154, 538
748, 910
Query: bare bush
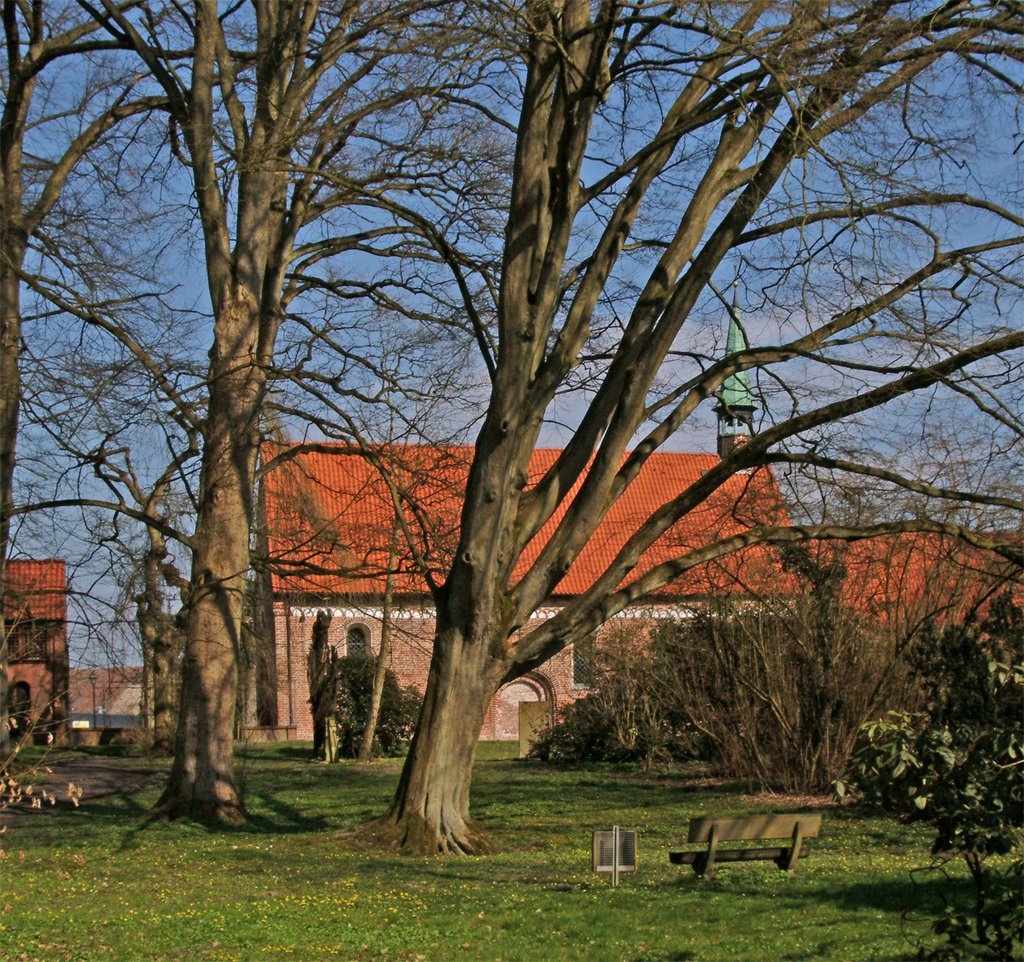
780, 686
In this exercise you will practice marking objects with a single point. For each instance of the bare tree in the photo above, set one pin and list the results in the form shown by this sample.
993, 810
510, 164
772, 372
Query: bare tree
109, 448
279, 113
659, 147
45, 132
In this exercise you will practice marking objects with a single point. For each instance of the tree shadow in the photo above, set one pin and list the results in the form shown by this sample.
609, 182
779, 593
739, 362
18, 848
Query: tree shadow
924, 891
524, 789
682, 956
285, 819
920, 894
97, 816
275, 751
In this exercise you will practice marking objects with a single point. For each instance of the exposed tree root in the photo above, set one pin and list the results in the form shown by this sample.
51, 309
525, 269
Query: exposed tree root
412, 835
213, 812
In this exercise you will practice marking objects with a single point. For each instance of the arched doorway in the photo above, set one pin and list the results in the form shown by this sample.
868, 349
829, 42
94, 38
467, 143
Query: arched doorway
503, 718
21, 708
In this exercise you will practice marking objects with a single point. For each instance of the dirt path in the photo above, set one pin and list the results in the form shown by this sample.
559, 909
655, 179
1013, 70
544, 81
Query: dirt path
95, 778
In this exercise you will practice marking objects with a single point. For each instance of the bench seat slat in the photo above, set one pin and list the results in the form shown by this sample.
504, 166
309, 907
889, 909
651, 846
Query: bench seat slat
795, 828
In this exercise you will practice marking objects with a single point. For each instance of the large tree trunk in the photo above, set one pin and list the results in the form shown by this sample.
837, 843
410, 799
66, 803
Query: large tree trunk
13, 243
430, 813
202, 780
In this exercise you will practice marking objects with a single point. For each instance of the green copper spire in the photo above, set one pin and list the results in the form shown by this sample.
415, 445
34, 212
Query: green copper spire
735, 406
735, 391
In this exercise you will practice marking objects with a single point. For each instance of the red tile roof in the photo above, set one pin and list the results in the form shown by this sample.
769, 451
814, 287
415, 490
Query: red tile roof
907, 578
35, 589
118, 690
329, 509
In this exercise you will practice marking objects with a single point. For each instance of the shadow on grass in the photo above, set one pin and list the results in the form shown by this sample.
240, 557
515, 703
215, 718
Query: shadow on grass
918, 894
529, 789
274, 751
273, 817
683, 956
353, 795
277, 817
96, 818
909, 905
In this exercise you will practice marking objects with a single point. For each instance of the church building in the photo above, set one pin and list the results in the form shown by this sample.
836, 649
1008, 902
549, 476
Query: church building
333, 548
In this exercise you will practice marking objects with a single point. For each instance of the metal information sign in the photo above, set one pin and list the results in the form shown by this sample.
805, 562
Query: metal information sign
614, 852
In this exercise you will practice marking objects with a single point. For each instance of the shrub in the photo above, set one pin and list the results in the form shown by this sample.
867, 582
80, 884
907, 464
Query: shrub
966, 778
584, 733
399, 708
631, 715
780, 688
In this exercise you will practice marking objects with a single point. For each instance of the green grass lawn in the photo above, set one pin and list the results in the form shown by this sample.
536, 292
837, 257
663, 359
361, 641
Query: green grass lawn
99, 882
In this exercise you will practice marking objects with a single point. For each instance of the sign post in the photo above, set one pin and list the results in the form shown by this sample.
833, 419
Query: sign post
614, 852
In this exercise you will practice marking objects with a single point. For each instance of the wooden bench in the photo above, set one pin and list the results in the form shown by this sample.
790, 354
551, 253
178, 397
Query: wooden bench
796, 828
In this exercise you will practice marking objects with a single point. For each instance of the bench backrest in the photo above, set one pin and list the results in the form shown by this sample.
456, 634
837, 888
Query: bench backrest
754, 827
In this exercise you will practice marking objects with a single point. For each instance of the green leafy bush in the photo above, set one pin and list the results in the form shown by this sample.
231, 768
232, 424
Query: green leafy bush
967, 780
584, 733
399, 708
632, 714
952, 662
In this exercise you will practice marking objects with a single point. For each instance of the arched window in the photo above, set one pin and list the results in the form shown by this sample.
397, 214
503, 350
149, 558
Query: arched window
582, 669
357, 640
26, 641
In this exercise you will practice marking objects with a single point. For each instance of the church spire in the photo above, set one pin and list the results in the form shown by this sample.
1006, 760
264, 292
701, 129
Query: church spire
735, 406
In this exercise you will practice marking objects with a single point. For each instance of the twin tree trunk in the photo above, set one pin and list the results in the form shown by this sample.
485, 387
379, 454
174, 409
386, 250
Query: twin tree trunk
159, 645
202, 779
162, 670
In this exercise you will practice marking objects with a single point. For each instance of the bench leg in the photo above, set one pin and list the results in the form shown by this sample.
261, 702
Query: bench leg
705, 865
788, 861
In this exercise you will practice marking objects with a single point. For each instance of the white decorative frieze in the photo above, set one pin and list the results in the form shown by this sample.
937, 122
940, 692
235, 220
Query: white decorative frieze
398, 614
649, 612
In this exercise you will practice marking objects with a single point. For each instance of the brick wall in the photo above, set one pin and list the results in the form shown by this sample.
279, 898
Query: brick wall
293, 634
411, 640
46, 680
